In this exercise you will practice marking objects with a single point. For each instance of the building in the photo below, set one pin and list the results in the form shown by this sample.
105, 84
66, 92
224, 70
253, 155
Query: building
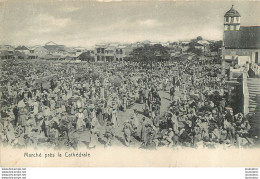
6, 52
241, 44
122, 52
54, 48
79, 50
39, 51
111, 53
100, 52
22, 49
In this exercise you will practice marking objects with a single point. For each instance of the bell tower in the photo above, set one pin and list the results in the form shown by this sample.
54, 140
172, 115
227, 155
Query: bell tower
232, 20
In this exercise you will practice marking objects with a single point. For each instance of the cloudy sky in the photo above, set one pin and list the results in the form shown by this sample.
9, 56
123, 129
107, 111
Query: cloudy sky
82, 23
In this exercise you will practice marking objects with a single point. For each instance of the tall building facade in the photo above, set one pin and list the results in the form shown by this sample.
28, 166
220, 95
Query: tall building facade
241, 44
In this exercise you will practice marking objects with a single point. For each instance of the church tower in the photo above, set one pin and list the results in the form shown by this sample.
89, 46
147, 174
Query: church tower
232, 20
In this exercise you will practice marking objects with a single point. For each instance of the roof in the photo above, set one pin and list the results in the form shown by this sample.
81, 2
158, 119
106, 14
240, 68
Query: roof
101, 45
110, 48
195, 44
51, 43
232, 13
21, 48
49, 56
245, 38
36, 47
203, 42
55, 47
198, 44
121, 46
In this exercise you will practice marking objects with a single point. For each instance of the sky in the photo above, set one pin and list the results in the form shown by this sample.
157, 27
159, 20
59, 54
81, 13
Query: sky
86, 23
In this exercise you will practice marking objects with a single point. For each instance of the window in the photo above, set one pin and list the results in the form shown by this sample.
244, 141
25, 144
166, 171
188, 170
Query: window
226, 19
237, 19
232, 19
235, 27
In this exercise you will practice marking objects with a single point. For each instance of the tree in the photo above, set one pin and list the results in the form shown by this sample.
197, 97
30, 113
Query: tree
215, 46
194, 50
85, 56
151, 53
199, 38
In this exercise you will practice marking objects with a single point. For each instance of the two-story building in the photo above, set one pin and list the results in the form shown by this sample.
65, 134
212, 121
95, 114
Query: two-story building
111, 53
100, 52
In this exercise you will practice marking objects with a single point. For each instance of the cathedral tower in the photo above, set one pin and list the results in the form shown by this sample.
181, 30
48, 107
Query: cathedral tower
232, 20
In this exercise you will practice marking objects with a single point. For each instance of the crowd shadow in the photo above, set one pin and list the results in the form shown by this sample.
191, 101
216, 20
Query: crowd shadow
121, 140
166, 98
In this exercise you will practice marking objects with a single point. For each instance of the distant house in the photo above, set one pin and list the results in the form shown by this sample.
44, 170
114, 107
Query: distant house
122, 52
110, 53
197, 46
100, 52
54, 48
114, 52
6, 52
79, 50
22, 49
5, 55
205, 44
39, 51
19, 55
51, 57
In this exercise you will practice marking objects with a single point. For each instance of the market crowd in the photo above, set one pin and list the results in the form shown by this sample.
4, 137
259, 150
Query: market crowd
69, 105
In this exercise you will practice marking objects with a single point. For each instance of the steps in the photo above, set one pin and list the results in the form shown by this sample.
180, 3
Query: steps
253, 85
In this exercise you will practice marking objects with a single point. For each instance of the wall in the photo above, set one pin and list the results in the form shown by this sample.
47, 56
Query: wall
242, 52
245, 94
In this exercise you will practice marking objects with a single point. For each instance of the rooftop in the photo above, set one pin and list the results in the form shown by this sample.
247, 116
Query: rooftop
232, 13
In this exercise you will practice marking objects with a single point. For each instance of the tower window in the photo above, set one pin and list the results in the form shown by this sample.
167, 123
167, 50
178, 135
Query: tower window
226, 19
237, 19
232, 19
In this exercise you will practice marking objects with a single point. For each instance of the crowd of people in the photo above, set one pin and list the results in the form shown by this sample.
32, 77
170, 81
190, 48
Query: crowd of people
183, 103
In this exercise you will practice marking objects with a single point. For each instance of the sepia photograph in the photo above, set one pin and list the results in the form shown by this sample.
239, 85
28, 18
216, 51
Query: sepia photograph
120, 83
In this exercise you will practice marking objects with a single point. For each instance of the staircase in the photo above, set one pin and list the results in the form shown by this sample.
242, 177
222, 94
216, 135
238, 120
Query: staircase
253, 85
